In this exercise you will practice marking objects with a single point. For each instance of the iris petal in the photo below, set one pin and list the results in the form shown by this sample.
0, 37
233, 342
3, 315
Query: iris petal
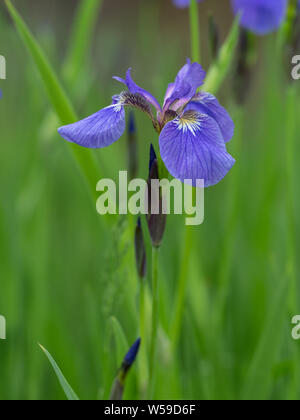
188, 80
260, 16
134, 88
192, 147
206, 103
98, 130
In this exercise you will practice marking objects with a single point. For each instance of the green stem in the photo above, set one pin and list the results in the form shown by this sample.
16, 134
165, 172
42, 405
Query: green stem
155, 316
142, 308
182, 286
143, 380
291, 130
195, 32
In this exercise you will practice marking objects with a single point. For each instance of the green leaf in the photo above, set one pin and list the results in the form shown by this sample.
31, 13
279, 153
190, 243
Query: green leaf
258, 381
81, 37
219, 70
116, 331
58, 98
70, 394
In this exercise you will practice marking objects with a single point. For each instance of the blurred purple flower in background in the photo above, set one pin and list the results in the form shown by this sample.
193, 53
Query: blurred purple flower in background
260, 16
193, 127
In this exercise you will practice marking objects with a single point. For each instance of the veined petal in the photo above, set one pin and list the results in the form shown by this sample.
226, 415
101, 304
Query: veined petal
260, 16
188, 80
192, 147
98, 130
205, 103
134, 88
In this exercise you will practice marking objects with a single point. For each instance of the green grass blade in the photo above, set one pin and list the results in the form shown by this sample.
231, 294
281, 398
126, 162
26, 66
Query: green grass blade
116, 331
57, 96
219, 70
70, 394
258, 382
81, 36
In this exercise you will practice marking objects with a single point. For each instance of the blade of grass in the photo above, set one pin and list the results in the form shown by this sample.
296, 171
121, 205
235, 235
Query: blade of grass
70, 394
115, 331
80, 38
291, 132
57, 96
258, 381
155, 320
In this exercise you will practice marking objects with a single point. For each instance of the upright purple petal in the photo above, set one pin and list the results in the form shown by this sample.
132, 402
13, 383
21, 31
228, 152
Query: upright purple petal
192, 147
134, 88
188, 80
260, 16
99, 130
181, 4
205, 103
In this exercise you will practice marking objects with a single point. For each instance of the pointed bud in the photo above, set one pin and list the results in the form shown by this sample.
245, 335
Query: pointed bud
140, 251
130, 357
132, 147
119, 383
155, 218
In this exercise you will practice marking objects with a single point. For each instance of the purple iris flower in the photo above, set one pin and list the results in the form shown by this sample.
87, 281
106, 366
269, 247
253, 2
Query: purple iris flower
193, 127
260, 16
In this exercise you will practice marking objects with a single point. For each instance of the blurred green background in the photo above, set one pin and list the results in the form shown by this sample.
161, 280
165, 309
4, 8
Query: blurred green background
67, 274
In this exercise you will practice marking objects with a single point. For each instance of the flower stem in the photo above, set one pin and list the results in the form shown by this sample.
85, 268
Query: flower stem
143, 364
195, 32
291, 130
155, 316
182, 286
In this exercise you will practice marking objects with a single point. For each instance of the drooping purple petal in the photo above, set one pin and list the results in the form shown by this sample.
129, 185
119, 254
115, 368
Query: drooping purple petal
260, 16
205, 103
188, 80
181, 4
99, 130
134, 88
192, 148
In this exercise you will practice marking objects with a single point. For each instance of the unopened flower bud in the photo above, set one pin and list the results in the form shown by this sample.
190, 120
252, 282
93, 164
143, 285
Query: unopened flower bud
119, 383
156, 218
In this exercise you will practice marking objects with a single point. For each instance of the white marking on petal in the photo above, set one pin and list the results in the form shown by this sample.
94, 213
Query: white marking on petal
189, 122
117, 107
